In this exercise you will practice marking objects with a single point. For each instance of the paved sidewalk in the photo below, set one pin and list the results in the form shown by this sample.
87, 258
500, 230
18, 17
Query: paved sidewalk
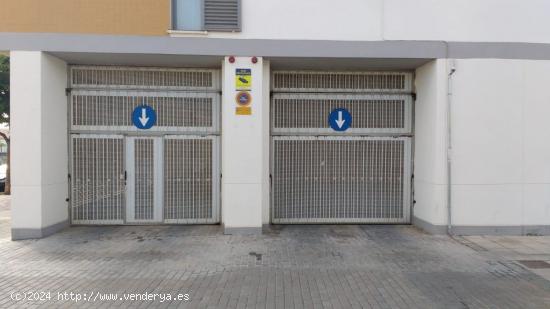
531, 252
287, 267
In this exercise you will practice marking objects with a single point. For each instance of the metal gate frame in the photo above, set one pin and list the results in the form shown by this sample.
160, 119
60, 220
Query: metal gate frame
89, 80
407, 188
344, 87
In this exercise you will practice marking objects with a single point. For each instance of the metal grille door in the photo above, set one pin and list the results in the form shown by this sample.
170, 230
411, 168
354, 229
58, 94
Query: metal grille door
98, 191
144, 185
166, 174
362, 175
144, 167
191, 183
340, 179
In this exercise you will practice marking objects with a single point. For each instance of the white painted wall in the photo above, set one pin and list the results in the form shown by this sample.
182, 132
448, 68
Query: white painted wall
26, 139
54, 141
39, 140
244, 138
372, 20
309, 19
430, 163
501, 143
467, 20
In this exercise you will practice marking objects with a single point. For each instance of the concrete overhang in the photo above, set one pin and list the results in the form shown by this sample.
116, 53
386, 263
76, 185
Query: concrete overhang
277, 63
53, 42
284, 54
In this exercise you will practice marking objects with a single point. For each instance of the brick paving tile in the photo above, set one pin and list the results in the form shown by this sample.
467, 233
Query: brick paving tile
328, 266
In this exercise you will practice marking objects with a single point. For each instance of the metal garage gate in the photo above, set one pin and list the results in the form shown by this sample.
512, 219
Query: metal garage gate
123, 175
362, 175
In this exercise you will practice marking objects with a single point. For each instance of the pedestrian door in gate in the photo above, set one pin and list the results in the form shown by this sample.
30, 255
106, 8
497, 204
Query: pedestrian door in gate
144, 179
98, 191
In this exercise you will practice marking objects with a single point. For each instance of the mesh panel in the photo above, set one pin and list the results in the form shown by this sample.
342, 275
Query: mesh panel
144, 179
188, 179
97, 110
143, 78
296, 81
331, 180
293, 113
341, 178
187, 106
98, 191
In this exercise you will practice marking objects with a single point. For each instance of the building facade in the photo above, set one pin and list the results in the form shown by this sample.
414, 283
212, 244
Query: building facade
246, 113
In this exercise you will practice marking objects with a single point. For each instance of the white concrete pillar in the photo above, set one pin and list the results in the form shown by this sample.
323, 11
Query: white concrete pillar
500, 178
500, 137
245, 149
430, 155
39, 144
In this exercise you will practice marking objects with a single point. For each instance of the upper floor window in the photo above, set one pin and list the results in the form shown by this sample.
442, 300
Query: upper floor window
206, 15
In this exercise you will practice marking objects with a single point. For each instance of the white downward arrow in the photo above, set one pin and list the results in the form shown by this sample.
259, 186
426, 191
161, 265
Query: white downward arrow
143, 119
340, 121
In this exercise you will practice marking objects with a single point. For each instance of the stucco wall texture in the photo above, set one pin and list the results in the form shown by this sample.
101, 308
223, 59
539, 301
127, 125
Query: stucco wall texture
125, 17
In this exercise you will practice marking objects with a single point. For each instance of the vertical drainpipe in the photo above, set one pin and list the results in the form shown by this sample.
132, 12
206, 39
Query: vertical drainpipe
452, 69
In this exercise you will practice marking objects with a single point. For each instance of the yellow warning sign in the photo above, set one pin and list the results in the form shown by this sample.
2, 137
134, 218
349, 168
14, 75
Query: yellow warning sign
243, 110
243, 79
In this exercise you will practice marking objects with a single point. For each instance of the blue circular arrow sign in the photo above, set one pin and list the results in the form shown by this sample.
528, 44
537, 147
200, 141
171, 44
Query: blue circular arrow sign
144, 117
339, 119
